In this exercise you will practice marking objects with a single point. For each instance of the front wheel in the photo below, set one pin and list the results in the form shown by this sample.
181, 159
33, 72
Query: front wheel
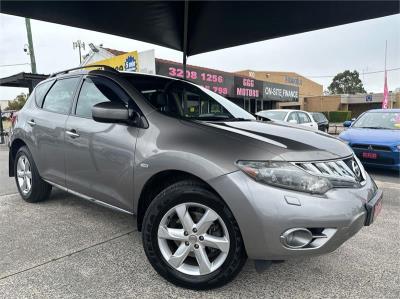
191, 238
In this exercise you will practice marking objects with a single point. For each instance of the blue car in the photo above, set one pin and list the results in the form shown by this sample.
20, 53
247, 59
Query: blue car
375, 138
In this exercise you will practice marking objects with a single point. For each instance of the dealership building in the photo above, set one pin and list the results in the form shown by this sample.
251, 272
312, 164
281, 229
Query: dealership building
253, 91
249, 89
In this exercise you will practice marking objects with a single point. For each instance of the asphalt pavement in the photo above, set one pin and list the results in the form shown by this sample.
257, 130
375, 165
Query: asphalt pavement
67, 247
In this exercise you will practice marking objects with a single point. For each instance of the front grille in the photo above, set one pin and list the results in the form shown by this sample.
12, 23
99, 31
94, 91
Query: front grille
348, 168
371, 147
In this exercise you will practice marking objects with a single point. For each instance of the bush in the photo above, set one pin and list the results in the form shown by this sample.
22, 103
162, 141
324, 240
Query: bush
338, 116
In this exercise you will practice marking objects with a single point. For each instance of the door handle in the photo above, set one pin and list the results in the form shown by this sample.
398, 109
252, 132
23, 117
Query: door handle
72, 133
31, 122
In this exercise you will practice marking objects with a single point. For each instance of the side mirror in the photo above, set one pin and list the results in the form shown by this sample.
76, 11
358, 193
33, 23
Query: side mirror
347, 123
110, 112
293, 121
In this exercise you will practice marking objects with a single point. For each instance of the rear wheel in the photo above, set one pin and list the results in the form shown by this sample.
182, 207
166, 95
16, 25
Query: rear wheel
30, 185
191, 238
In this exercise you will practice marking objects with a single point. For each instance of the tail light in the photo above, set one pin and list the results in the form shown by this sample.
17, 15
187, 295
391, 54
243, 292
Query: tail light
14, 119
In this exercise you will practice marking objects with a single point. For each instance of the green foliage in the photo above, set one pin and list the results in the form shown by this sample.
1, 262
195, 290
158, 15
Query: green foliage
338, 116
346, 83
17, 103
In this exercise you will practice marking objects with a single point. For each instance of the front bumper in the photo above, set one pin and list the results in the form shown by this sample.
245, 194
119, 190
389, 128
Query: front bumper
264, 213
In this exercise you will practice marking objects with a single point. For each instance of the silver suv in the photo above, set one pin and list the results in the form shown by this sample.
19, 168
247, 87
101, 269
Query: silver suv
209, 185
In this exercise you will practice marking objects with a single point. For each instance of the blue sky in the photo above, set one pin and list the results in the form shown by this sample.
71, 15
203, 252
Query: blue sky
358, 46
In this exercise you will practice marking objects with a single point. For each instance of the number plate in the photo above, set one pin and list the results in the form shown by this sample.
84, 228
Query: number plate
374, 207
367, 155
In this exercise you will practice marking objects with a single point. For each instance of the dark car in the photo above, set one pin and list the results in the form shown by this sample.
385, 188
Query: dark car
321, 120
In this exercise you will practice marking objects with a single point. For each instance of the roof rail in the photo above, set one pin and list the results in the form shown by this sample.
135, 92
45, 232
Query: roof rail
105, 67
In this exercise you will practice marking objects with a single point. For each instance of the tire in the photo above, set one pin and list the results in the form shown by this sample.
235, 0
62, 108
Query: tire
194, 195
39, 190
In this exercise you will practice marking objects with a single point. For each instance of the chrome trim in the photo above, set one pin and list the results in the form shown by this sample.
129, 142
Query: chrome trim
334, 169
88, 198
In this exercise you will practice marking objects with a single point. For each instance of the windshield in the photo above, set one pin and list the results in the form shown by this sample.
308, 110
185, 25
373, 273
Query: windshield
273, 114
378, 120
185, 100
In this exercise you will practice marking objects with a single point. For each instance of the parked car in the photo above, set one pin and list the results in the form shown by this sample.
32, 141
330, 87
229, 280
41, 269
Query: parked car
321, 120
297, 117
375, 138
209, 185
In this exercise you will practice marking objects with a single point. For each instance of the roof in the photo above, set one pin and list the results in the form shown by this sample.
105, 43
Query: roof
115, 52
27, 80
196, 27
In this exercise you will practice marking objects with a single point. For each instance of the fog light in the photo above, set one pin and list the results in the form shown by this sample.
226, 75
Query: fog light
296, 238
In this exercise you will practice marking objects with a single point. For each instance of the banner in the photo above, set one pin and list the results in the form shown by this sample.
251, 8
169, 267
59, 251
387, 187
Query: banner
126, 62
385, 102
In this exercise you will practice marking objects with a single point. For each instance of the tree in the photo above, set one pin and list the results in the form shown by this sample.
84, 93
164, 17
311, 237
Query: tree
346, 83
17, 103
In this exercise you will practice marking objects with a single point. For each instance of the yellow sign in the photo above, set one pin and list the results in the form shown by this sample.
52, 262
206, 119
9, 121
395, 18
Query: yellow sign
126, 62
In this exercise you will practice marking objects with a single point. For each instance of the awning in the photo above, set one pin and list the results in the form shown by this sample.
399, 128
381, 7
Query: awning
26, 80
195, 27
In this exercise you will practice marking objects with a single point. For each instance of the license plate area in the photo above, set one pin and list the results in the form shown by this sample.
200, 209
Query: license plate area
374, 207
368, 155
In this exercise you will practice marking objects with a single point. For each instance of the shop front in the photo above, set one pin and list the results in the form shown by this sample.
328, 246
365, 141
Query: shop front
251, 94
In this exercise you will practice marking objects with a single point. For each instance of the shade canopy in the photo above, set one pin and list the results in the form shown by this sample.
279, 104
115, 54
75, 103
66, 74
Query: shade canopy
210, 25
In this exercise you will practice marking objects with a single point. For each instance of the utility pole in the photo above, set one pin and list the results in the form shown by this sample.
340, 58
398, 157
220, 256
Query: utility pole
78, 45
30, 45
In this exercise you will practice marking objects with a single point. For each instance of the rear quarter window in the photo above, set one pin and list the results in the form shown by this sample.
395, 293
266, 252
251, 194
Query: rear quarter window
40, 92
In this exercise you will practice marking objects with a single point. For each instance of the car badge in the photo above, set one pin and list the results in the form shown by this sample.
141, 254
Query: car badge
356, 169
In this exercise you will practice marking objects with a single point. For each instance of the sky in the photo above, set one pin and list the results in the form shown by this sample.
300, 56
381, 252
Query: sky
357, 46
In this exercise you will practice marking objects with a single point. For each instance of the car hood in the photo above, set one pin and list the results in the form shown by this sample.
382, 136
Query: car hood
289, 142
371, 136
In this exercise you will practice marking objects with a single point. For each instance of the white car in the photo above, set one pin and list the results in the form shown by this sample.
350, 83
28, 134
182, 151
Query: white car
298, 117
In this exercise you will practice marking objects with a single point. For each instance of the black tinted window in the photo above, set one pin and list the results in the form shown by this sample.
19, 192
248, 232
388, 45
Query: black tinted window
60, 96
40, 92
97, 90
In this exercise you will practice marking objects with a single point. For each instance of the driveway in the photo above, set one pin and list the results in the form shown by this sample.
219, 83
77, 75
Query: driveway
67, 247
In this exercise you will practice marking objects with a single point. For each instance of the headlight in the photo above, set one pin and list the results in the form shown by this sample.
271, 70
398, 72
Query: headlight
288, 176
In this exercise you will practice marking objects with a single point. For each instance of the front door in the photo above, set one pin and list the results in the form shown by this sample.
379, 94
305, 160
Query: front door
100, 156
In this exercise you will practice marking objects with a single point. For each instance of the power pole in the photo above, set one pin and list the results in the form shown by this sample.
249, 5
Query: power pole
30, 45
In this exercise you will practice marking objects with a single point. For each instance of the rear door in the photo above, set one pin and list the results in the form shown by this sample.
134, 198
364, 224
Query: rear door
100, 156
54, 100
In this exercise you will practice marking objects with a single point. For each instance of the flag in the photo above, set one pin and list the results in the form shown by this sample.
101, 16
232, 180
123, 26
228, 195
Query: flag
385, 102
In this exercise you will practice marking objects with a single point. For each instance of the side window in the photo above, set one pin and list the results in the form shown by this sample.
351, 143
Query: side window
40, 92
60, 96
303, 118
293, 116
97, 90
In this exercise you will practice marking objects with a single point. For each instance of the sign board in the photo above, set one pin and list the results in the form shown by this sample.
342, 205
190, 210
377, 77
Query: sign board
126, 62
219, 82
147, 62
248, 88
280, 92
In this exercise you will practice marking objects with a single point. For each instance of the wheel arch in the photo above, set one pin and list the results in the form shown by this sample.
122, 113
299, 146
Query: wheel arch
15, 146
159, 182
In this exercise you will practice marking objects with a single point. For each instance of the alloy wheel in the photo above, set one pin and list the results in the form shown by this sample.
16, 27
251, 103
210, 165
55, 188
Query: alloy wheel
24, 174
193, 239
